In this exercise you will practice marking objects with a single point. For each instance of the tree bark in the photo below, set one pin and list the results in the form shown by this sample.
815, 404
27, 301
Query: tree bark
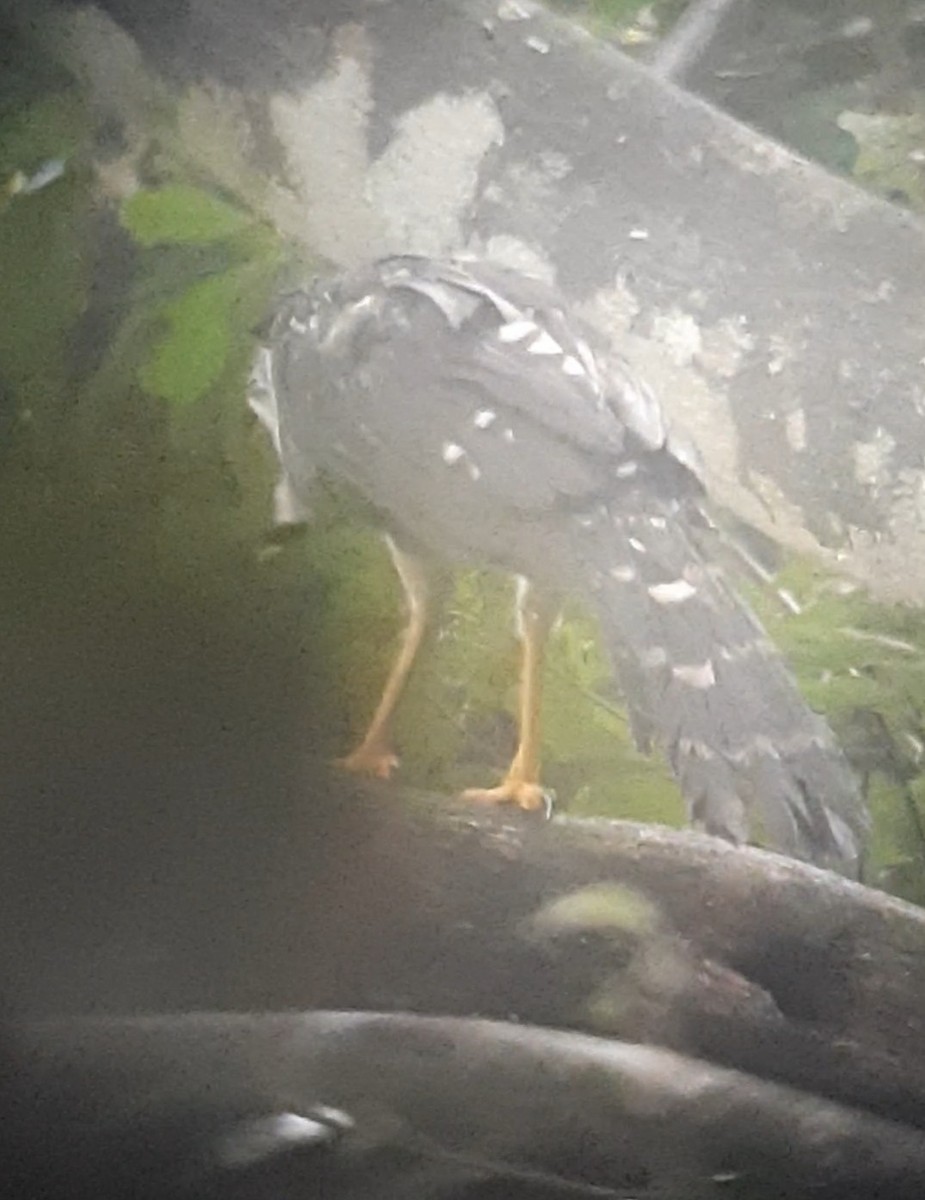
420, 1106
744, 958
270, 889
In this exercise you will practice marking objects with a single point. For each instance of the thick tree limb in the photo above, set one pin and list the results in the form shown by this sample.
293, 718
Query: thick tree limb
740, 957
258, 896
423, 1106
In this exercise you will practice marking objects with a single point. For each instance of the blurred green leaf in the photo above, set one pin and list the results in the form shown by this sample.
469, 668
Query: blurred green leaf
191, 358
888, 159
179, 212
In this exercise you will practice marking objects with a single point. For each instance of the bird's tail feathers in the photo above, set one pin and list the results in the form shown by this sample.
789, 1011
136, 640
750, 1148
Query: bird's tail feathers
754, 762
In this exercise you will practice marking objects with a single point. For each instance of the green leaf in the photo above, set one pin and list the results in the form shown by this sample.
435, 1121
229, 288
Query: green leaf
180, 213
191, 358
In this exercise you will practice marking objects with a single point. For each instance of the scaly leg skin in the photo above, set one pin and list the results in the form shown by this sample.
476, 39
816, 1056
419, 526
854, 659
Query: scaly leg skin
521, 785
374, 756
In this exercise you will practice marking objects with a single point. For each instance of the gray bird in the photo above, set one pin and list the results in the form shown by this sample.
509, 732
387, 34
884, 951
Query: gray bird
482, 423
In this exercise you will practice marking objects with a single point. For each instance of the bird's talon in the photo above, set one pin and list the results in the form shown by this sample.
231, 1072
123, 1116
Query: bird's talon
375, 761
528, 796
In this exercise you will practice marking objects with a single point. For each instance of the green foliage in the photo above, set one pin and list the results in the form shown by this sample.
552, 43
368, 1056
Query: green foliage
850, 653
205, 318
357, 578
889, 153
180, 328
591, 759
180, 213
863, 665
191, 358
616, 12
634, 22
448, 728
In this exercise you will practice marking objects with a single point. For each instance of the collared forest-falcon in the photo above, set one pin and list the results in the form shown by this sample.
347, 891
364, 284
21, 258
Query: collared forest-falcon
482, 423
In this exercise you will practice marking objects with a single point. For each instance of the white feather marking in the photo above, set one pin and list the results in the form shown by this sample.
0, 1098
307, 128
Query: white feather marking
700, 675
344, 324
455, 305
297, 325
759, 747
263, 405
637, 545
452, 453
508, 435
544, 344
287, 508
484, 418
623, 574
696, 749
658, 522
674, 592
516, 331
587, 358
627, 469
571, 366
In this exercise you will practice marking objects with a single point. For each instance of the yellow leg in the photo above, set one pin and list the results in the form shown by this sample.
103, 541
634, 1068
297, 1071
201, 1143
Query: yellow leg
521, 785
374, 755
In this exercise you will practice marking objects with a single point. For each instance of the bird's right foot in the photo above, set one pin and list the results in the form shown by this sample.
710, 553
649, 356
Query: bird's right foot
524, 794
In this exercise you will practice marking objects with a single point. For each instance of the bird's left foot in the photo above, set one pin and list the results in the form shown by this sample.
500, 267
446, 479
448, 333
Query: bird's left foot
374, 759
528, 796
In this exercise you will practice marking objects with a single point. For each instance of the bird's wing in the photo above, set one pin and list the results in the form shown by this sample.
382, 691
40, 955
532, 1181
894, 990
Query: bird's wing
445, 369
517, 337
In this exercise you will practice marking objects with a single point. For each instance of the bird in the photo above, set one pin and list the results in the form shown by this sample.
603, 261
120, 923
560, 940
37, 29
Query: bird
481, 421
